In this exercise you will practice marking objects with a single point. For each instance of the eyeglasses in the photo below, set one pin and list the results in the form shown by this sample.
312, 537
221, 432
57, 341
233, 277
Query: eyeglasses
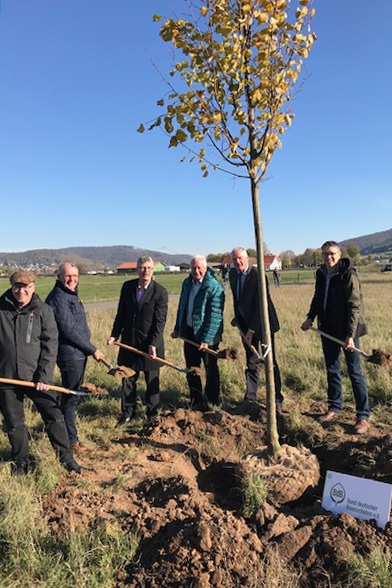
330, 253
24, 287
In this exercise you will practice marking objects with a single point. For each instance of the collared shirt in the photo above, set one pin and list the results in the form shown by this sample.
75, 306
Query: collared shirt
240, 282
141, 290
191, 301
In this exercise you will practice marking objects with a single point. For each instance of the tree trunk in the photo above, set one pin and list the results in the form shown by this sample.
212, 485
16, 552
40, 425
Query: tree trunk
272, 429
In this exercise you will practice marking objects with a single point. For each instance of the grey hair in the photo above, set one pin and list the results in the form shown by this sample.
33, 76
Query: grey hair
241, 249
144, 259
61, 270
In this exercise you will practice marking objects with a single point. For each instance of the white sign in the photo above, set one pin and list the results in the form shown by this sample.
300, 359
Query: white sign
361, 498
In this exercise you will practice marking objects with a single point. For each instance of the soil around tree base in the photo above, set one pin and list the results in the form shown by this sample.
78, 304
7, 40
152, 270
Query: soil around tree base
177, 486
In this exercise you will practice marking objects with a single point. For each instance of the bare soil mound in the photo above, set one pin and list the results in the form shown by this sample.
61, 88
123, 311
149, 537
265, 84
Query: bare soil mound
177, 486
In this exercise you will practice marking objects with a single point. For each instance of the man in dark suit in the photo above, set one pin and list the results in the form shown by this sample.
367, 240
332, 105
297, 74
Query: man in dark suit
140, 321
243, 283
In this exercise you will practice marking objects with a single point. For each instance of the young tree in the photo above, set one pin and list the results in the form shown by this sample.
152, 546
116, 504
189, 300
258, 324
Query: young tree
241, 61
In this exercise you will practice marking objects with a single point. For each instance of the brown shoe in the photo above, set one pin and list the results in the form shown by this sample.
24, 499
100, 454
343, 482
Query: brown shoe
361, 426
328, 416
78, 447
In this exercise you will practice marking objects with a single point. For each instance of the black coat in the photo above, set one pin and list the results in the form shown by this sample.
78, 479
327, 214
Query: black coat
343, 315
28, 340
140, 324
247, 311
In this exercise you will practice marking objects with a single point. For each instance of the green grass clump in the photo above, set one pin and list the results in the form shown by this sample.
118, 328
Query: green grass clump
31, 556
372, 571
254, 494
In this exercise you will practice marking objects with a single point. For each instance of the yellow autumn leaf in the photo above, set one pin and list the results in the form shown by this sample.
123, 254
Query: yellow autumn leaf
141, 129
203, 10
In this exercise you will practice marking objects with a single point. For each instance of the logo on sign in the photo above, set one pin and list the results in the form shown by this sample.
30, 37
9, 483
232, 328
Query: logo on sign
338, 493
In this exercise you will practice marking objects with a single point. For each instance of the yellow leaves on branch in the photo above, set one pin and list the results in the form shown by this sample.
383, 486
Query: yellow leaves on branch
240, 62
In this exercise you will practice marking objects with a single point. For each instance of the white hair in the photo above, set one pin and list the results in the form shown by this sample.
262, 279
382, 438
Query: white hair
199, 258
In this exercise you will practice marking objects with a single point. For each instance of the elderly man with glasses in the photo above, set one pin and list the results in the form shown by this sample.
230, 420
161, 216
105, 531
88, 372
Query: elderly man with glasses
337, 304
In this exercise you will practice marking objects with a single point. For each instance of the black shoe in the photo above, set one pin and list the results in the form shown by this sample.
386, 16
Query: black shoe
19, 467
124, 420
73, 466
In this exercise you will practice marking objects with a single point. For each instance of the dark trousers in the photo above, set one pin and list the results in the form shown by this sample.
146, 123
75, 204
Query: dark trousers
252, 372
332, 355
72, 376
193, 358
11, 405
129, 393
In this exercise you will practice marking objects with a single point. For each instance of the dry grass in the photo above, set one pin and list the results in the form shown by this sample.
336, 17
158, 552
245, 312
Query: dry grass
299, 354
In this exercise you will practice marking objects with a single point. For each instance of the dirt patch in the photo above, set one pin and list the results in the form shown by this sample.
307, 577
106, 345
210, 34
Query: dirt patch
179, 489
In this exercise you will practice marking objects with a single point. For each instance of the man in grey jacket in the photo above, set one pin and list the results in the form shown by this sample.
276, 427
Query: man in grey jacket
28, 347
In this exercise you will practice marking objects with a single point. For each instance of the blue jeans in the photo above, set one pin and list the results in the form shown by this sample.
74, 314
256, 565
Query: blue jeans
332, 362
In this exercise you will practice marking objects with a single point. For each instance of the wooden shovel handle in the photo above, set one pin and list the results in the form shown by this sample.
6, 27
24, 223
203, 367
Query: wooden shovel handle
105, 363
147, 356
251, 347
195, 344
32, 385
336, 340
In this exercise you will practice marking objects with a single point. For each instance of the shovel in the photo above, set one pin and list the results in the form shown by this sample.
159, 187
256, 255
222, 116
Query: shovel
259, 358
229, 353
120, 371
51, 387
378, 357
195, 370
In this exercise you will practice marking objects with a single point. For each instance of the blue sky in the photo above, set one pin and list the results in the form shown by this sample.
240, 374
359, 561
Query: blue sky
76, 80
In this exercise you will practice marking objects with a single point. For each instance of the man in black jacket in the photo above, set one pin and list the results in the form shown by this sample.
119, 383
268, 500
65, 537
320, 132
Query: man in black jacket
74, 344
28, 347
337, 304
243, 283
140, 322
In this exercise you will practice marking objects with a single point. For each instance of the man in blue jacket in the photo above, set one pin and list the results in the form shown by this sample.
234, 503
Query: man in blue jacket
74, 344
200, 320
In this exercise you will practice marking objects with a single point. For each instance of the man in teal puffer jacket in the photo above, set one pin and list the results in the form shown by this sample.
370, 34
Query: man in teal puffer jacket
200, 320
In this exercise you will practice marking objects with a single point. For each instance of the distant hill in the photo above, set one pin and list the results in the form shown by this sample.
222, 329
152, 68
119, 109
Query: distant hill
90, 257
371, 244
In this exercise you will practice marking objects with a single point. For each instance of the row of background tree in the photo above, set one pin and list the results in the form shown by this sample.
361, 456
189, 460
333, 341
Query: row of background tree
309, 258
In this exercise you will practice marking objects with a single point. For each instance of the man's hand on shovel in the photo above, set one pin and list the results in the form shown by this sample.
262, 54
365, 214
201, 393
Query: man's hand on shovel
247, 337
119, 371
160, 360
228, 353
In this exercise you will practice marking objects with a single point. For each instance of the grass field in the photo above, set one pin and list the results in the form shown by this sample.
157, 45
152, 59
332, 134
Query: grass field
101, 288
